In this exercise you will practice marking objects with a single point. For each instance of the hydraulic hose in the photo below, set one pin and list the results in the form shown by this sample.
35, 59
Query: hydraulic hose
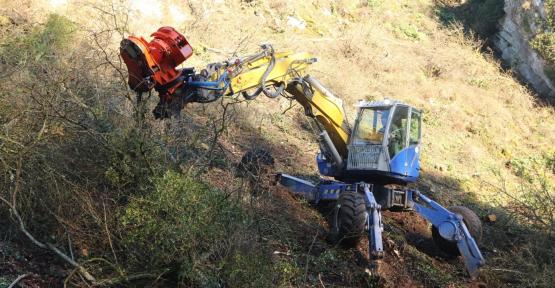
262, 87
248, 96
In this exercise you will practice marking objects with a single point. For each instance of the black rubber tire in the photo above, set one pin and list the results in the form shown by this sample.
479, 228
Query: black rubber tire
473, 224
348, 219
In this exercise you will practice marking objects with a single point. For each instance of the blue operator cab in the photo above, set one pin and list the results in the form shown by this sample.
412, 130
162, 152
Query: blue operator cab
384, 146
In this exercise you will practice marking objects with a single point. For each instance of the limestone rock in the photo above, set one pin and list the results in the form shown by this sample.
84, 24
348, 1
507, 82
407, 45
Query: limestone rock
522, 21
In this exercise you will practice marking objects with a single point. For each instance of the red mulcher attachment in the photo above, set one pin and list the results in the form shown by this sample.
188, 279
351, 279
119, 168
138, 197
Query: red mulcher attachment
153, 64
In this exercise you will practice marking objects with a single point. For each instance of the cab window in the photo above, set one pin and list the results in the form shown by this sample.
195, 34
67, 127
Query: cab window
415, 128
398, 131
371, 126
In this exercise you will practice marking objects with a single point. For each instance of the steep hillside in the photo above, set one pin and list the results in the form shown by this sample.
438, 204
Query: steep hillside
85, 172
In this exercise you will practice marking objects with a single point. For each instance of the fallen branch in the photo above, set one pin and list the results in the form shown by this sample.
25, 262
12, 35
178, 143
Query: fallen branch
506, 270
125, 279
21, 225
17, 280
320, 278
81, 269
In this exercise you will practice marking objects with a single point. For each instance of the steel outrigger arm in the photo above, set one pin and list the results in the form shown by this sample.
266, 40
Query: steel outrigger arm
452, 228
450, 225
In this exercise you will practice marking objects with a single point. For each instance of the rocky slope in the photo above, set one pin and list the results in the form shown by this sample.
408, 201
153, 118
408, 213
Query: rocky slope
522, 22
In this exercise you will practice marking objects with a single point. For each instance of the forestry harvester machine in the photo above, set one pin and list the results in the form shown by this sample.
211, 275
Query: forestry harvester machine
372, 162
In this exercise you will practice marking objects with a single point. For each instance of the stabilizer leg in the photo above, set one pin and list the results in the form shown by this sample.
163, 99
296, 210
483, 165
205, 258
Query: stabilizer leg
298, 186
375, 225
452, 228
313, 193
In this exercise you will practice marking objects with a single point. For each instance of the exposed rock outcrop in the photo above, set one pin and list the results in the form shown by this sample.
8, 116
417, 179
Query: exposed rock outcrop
522, 21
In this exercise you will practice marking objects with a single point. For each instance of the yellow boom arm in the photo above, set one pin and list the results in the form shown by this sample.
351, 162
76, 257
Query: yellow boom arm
286, 71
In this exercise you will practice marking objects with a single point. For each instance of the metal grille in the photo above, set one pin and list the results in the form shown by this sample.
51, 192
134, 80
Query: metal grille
363, 157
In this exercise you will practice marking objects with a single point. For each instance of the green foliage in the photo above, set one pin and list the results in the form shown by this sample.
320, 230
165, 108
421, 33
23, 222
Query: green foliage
287, 270
134, 159
178, 217
4, 282
480, 83
549, 159
187, 225
56, 34
544, 43
549, 6
526, 168
251, 268
530, 228
408, 31
325, 261
374, 3
536, 202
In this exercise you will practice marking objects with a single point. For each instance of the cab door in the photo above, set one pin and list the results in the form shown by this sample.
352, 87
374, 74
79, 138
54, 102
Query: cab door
397, 140
413, 150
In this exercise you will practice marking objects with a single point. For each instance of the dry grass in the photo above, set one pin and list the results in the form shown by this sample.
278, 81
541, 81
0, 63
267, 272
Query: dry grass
478, 117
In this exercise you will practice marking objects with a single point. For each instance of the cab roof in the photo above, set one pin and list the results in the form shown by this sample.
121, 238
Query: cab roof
381, 103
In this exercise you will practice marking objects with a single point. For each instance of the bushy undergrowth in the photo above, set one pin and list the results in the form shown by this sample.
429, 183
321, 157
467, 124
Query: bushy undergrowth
544, 41
196, 230
536, 204
133, 158
527, 233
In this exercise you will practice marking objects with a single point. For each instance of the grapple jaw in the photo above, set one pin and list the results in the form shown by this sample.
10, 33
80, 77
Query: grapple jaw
152, 65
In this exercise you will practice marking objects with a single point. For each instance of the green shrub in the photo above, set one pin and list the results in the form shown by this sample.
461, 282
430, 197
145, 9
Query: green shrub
134, 159
251, 268
528, 232
408, 32
550, 14
188, 226
536, 203
544, 43
421, 267
374, 3
180, 216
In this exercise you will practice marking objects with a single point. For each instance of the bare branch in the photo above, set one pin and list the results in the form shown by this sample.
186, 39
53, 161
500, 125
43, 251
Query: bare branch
21, 224
108, 232
18, 279
81, 269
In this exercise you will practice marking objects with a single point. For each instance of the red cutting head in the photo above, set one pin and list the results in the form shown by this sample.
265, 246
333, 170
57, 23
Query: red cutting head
156, 59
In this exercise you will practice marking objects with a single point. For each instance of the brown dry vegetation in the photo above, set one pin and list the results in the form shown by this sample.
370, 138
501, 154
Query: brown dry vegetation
87, 170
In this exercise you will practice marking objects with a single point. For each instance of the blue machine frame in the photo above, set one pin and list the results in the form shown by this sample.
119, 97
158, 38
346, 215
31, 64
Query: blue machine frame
450, 225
